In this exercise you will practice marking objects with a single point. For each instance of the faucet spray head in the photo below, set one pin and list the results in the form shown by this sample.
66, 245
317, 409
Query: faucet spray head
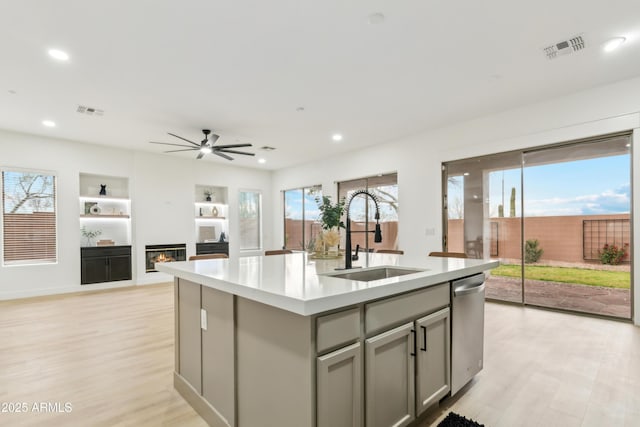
377, 238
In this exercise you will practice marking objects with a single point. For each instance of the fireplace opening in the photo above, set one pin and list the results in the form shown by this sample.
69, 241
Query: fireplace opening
164, 253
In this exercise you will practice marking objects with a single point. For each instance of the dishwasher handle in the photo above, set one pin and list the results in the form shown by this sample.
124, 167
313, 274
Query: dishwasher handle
467, 290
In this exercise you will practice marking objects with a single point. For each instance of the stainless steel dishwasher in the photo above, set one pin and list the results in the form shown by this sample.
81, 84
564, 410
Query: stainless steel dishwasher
467, 329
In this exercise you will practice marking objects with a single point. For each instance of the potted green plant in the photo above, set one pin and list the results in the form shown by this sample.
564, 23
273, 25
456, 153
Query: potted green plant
331, 220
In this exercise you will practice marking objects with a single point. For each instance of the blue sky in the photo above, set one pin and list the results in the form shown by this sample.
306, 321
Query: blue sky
293, 206
583, 187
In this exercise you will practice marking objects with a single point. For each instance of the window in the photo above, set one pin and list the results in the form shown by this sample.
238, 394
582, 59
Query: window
28, 217
385, 188
300, 217
250, 211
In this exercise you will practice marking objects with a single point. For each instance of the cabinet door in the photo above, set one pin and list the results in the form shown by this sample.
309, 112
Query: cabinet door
218, 357
339, 385
189, 335
94, 270
433, 372
389, 378
120, 267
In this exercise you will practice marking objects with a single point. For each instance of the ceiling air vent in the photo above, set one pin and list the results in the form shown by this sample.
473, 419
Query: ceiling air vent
565, 47
89, 111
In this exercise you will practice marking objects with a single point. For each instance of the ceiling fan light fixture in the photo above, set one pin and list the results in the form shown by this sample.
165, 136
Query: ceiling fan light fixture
205, 149
614, 43
58, 54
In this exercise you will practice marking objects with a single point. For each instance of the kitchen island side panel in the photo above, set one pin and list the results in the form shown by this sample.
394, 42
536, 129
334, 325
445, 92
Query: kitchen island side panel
275, 366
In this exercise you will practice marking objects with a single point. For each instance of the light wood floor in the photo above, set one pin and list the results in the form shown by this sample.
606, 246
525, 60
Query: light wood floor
110, 355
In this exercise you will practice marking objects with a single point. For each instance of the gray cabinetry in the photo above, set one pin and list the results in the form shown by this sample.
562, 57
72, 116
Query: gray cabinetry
339, 382
189, 341
205, 346
389, 378
433, 378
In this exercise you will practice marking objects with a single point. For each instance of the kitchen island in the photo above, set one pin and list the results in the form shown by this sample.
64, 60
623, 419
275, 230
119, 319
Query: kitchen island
283, 341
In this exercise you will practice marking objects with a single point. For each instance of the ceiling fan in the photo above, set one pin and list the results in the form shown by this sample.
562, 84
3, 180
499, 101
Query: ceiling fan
206, 146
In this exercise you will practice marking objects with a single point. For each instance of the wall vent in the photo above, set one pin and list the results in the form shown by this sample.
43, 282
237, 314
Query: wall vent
565, 47
89, 111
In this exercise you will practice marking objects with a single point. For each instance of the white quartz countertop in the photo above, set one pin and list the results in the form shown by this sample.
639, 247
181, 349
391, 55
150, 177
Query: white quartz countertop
299, 284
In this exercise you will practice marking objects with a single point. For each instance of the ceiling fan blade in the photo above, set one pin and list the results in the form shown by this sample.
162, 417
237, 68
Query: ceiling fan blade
217, 153
200, 155
233, 146
184, 149
168, 143
184, 139
214, 138
234, 152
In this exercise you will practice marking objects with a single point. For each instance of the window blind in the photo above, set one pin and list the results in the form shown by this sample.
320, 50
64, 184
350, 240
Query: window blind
28, 217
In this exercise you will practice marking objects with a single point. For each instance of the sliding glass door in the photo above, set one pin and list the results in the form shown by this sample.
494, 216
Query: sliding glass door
482, 211
558, 218
577, 204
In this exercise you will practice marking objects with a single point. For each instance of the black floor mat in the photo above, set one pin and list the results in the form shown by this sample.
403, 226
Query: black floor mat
455, 420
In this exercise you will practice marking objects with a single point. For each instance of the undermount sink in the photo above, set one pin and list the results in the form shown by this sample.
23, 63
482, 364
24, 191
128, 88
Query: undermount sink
375, 273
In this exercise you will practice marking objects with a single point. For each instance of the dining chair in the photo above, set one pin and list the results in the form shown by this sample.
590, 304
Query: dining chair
449, 254
278, 252
207, 256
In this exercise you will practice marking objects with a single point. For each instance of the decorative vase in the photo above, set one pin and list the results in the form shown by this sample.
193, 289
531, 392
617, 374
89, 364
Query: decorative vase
208, 199
214, 211
103, 189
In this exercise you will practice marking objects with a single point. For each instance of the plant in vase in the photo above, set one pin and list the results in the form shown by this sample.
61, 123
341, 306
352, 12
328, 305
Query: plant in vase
89, 235
207, 194
331, 220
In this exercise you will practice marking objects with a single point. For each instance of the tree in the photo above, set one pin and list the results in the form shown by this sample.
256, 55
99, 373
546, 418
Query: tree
28, 192
512, 207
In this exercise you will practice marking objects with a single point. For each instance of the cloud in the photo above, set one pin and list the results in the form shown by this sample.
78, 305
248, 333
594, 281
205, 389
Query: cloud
607, 202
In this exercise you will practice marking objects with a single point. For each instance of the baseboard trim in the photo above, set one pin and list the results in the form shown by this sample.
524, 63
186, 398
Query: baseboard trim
198, 403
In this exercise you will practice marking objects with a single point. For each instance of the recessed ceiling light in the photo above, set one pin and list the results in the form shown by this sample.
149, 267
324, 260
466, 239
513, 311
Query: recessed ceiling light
59, 54
336, 137
466, 174
262, 161
49, 123
614, 43
376, 18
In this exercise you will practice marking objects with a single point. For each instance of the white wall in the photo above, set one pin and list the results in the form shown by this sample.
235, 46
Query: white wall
418, 158
162, 189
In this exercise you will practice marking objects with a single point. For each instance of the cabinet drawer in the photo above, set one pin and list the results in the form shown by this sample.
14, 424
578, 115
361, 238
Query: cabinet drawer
337, 329
102, 251
386, 313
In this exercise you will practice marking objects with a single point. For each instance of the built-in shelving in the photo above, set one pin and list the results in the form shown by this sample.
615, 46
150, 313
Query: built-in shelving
109, 213
211, 216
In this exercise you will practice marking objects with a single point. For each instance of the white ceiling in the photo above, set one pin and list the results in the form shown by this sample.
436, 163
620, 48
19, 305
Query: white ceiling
242, 68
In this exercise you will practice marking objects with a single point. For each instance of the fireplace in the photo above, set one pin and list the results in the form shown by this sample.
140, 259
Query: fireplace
164, 253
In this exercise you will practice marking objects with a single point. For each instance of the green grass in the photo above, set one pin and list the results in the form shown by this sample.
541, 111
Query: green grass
583, 276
